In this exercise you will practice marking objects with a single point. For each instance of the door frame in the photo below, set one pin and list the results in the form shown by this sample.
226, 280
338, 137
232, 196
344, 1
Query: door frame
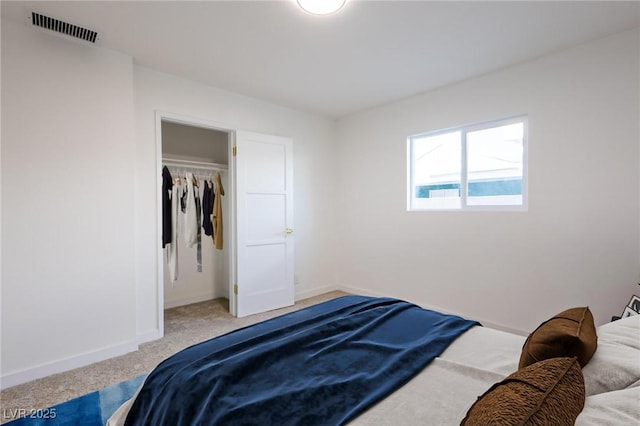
161, 116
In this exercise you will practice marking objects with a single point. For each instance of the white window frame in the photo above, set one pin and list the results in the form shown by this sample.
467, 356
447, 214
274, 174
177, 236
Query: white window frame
463, 173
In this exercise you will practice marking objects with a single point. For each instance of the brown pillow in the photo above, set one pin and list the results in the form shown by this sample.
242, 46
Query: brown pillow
549, 392
568, 334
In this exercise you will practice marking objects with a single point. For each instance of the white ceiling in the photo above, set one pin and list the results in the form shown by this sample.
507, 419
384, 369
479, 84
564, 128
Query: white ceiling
371, 53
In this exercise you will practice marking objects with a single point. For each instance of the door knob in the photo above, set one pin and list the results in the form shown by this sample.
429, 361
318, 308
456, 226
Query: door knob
289, 231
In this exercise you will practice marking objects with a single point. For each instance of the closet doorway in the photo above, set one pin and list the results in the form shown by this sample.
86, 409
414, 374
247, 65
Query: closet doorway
197, 270
254, 269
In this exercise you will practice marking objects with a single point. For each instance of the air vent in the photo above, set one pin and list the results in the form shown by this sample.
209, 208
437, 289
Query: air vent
62, 27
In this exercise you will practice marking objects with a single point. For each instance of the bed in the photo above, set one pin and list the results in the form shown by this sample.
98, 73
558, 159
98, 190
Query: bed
409, 365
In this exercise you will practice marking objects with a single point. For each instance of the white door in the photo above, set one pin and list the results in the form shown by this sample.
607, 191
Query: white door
264, 225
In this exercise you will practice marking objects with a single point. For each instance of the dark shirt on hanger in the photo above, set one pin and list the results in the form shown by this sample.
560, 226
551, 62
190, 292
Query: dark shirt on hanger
167, 184
207, 208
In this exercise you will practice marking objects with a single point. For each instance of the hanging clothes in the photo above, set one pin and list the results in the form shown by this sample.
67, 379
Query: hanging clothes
193, 213
167, 185
217, 212
191, 223
183, 199
199, 230
207, 208
172, 250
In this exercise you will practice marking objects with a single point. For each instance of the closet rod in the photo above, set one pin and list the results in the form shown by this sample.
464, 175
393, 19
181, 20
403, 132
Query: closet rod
174, 162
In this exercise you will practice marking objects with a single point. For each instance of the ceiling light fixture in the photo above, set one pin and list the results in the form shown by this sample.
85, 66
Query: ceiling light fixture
321, 7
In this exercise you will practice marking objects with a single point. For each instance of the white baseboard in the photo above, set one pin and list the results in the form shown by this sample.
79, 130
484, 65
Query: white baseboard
60, 366
149, 336
485, 323
168, 304
300, 295
360, 291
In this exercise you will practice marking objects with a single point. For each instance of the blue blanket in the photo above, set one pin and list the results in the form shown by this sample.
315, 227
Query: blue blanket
321, 365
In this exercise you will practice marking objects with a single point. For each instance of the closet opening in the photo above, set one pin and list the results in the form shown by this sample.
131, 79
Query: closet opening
196, 238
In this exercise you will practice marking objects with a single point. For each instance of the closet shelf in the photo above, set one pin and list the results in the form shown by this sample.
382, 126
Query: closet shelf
202, 165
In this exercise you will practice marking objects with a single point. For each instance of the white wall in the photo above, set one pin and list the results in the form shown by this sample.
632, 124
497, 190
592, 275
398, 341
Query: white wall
315, 181
68, 277
577, 244
194, 143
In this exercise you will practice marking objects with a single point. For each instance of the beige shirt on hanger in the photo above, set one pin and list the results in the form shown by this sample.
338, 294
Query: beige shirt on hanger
217, 213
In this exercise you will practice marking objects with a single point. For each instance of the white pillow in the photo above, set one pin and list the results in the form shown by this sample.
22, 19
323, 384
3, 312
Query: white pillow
616, 363
611, 408
625, 331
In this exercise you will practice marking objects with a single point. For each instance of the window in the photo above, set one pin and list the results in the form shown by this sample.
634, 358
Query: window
475, 167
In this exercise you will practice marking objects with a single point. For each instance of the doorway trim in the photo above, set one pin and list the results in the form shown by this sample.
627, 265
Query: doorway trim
165, 116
